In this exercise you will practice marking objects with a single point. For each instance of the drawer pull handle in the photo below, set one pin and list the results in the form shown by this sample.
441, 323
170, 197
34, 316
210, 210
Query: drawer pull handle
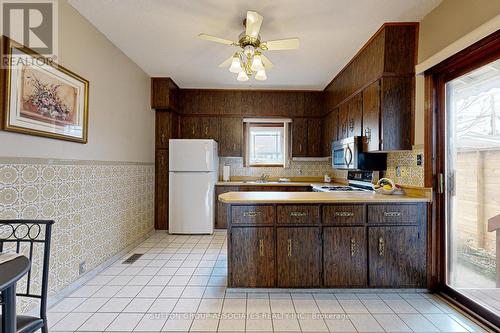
353, 247
250, 214
381, 247
392, 214
289, 247
344, 214
298, 214
261, 247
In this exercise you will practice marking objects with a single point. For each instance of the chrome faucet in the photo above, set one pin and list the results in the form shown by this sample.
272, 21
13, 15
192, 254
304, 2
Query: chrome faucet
263, 178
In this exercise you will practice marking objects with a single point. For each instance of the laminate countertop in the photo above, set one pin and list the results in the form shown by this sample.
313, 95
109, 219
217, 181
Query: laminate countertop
272, 183
314, 197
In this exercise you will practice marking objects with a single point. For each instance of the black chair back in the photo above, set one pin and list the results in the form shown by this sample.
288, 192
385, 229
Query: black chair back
22, 236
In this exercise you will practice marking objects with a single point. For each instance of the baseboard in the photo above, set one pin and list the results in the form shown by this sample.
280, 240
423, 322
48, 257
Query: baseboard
69, 289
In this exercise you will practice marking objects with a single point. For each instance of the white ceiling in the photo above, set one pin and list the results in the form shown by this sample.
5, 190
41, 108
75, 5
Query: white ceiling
160, 35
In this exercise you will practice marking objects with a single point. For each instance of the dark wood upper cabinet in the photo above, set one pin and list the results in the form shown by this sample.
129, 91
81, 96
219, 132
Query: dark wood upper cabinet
299, 137
209, 128
161, 189
253, 257
344, 257
397, 113
391, 51
164, 94
298, 257
330, 130
355, 116
371, 117
231, 137
190, 128
343, 121
314, 129
396, 256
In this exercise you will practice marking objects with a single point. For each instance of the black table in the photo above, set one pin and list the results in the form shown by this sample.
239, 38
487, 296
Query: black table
11, 272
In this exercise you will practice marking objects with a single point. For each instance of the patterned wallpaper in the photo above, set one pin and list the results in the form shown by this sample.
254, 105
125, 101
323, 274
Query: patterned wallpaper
409, 172
99, 208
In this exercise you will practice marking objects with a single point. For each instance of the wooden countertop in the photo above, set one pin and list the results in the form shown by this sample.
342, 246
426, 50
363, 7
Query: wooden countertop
313, 197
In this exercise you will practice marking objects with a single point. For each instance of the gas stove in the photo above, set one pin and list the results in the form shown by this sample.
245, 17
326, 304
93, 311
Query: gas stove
359, 181
338, 188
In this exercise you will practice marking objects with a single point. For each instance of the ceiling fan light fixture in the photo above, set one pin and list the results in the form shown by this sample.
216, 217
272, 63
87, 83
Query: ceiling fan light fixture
242, 76
257, 64
261, 75
236, 64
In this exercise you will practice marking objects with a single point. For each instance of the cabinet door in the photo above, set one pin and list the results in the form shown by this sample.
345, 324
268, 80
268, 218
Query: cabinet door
163, 129
355, 120
209, 128
314, 137
161, 189
330, 127
396, 256
190, 127
344, 257
230, 137
299, 137
371, 117
298, 257
343, 121
220, 207
252, 257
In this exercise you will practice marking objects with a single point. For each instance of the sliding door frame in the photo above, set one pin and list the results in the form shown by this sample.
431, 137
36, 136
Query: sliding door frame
477, 55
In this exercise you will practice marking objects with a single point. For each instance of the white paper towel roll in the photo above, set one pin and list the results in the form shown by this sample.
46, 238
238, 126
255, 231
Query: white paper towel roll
226, 174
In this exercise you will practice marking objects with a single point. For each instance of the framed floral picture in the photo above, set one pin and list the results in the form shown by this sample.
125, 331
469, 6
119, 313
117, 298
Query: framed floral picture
41, 97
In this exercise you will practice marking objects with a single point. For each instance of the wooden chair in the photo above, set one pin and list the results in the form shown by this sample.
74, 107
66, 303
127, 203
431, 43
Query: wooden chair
22, 235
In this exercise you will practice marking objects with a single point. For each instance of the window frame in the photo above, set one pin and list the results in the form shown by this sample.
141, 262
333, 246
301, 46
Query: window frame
248, 124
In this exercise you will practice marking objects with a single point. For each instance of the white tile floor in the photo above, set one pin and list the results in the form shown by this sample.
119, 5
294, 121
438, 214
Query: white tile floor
179, 285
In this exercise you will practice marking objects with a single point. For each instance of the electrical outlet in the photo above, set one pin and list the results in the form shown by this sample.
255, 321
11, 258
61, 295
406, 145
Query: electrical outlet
82, 268
398, 171
420, 159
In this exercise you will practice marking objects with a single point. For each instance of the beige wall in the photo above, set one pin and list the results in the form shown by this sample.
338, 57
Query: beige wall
448, 22
121, 124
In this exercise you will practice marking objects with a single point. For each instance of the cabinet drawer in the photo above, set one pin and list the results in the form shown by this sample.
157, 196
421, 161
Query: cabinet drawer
344, 214
298, 214
401, 213
252, 214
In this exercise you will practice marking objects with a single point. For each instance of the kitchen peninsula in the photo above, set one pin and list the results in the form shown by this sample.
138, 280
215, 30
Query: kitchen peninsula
317, 239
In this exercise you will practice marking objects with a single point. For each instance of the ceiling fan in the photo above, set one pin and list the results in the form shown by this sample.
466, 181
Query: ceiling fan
249, 60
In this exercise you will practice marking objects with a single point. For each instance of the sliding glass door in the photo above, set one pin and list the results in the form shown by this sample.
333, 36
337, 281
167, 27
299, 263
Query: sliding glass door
472, 191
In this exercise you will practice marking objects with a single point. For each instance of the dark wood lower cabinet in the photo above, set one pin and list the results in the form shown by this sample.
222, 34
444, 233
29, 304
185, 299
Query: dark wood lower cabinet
268, 248
252, 257
298, 257
344, 257
396, 255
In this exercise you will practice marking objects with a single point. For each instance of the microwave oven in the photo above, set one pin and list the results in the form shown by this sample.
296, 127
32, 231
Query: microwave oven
348, 154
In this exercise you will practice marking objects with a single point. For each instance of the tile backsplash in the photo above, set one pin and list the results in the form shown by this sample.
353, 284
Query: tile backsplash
296, 169
401, 166
409, 172
99, 208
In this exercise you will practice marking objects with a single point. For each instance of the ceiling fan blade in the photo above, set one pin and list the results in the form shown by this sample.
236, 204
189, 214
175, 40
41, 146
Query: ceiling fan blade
267, 63
253, 23
281, 44
227, 62
216, 39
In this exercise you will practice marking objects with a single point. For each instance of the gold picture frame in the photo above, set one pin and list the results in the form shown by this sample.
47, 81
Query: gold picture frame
40, 97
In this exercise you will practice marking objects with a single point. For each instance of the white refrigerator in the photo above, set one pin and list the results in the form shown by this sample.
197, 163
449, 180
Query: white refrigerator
193, 172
